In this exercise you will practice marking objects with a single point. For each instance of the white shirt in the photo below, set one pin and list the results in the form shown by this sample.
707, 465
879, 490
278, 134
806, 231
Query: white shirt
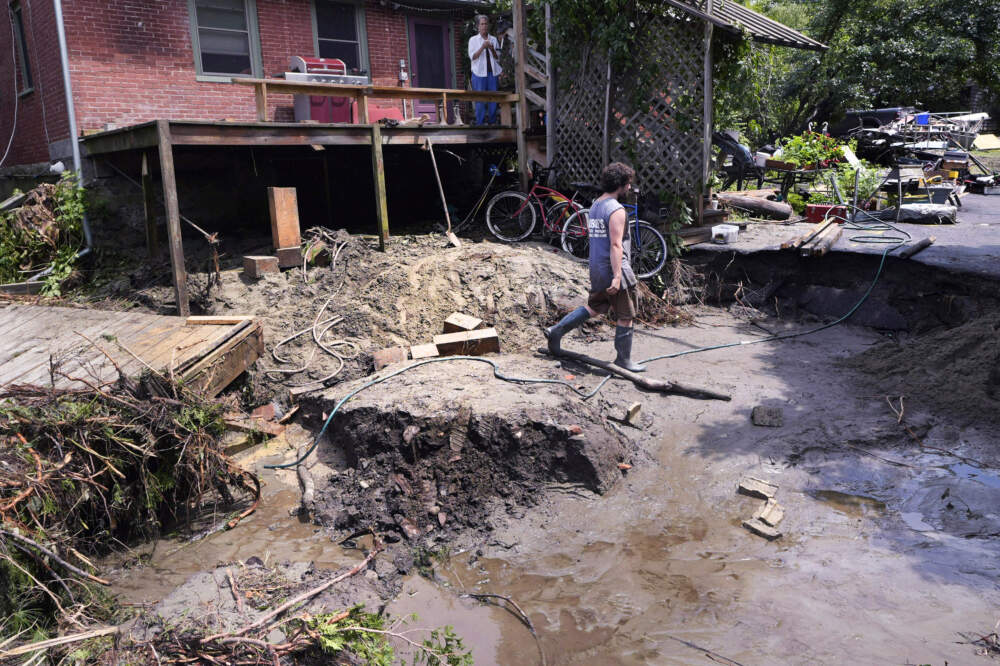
479, 64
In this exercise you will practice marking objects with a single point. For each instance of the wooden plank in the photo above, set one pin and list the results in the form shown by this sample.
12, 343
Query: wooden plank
215, 320
535, 74
506, 115
279, 86
149, 209
550, 91
534, 98
284, 208
179, 273
429, 350
482, 341
707, 104
378, 171
185, 341
219, 338
218, 370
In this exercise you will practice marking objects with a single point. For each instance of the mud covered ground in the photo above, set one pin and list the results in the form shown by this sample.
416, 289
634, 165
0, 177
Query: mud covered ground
891, 538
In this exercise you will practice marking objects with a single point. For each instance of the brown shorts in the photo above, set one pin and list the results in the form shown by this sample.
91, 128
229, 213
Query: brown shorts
624, 303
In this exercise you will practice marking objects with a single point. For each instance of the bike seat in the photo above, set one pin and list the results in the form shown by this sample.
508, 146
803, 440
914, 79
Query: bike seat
586, 186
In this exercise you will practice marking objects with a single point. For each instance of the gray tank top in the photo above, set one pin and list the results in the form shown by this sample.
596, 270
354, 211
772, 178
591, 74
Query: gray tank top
600, 247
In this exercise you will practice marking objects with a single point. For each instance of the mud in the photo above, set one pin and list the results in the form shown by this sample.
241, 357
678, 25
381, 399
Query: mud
446, 447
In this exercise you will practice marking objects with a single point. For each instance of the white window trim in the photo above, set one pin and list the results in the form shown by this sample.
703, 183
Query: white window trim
256, 62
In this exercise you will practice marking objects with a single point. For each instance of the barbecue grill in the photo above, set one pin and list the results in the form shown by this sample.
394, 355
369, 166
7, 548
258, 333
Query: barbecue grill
323, 70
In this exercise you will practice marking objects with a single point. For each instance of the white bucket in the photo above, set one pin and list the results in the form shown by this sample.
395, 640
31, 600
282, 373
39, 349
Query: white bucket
725, 233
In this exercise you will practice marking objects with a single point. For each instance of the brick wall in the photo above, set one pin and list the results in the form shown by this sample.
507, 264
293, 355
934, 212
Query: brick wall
132, 61
41, 114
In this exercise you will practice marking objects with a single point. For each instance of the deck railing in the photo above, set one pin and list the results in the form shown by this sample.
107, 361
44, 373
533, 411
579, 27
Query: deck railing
361, 95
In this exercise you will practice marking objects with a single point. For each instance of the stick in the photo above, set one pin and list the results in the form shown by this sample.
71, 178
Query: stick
235, 590
642, 382
523, 616
299, 599
917, 247
452, 238
61, 640
77, 571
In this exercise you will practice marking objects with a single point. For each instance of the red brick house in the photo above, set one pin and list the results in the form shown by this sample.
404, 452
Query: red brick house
132, 61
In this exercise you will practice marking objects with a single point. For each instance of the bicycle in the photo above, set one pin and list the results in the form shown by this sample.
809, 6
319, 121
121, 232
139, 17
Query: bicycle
649, 248
511, 216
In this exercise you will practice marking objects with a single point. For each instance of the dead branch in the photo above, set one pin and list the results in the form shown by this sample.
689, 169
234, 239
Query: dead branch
61, 640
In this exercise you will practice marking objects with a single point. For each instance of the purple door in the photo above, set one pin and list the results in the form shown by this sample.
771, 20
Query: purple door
430, 59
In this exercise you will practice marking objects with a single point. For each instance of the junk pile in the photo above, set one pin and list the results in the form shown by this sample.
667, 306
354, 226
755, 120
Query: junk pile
85, 472
40, 229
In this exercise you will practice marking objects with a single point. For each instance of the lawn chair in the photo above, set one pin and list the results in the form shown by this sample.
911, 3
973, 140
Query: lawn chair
741, 167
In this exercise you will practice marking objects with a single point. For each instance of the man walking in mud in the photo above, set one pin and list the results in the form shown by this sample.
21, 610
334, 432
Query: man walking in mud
612, 282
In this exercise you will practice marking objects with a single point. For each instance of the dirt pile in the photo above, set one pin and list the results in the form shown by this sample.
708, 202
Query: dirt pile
956, 370
447, 448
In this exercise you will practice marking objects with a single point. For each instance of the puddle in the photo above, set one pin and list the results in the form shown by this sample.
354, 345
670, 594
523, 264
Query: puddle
915, 521
855, 506
973, 473
269, 533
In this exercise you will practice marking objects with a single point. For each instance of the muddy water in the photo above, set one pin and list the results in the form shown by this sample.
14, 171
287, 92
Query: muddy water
660, 571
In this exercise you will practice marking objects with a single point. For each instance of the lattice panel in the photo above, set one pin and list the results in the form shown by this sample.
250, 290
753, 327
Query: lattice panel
580, 123
662, 141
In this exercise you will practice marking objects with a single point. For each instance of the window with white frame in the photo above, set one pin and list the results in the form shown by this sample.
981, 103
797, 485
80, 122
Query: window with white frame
224, 34
340, 33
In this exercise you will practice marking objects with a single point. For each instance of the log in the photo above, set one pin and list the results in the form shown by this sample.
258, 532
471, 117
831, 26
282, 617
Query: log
657, 385
775, 210
826, 240
919, 246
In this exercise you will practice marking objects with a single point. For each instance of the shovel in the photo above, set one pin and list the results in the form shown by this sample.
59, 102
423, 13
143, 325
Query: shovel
452, 238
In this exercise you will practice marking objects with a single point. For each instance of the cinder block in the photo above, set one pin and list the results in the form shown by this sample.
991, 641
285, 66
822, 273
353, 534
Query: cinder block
255, 267
458, 321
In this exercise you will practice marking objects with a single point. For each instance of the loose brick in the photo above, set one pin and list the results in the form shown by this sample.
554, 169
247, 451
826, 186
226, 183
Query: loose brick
255, 267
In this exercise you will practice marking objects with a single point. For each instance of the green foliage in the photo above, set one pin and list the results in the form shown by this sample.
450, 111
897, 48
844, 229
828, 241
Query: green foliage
678, 215
336, 636
444, 647
25, 248
811, 149
869, 178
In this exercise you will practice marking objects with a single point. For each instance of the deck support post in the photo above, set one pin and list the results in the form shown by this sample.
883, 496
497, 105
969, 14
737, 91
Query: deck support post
378, 170
149, 209
173, 217
520, 53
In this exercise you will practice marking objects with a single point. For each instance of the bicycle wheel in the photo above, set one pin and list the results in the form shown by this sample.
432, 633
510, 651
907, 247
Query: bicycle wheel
510, 216
556, 216
649, 250
574, 235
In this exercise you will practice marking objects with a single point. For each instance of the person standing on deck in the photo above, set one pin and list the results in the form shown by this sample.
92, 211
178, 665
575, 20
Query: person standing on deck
612, 282
483, 52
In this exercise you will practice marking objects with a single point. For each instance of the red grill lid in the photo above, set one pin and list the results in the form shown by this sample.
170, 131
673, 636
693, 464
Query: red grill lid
318, 65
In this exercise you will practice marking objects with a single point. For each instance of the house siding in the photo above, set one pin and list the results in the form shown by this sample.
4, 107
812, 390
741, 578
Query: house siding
132, 61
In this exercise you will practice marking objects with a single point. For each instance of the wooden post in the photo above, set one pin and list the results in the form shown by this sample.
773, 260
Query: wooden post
707, 138
550, 91
520, 54
506, 117
149, 208
260, 90
362, 108
173, 217
378, 169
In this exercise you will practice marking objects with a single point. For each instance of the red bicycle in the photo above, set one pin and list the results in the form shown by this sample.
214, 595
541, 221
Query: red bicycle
511, 216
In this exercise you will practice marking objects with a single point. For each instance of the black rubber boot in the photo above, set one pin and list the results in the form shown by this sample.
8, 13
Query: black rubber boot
623, 345
565, 325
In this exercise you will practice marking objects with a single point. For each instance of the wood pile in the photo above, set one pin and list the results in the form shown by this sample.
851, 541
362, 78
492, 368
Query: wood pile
817, 241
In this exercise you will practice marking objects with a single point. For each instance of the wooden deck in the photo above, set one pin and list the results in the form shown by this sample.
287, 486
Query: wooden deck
205, 352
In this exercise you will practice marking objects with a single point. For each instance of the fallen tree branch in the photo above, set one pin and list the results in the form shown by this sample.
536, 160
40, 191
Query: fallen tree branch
55, 642
64, 563
521, 614
657, 385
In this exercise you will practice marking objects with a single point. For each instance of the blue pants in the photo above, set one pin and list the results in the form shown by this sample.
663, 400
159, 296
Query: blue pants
486, 112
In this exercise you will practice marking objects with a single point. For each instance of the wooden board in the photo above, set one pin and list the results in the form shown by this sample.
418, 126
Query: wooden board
458, 321
284, 209
482, 341
207, 352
